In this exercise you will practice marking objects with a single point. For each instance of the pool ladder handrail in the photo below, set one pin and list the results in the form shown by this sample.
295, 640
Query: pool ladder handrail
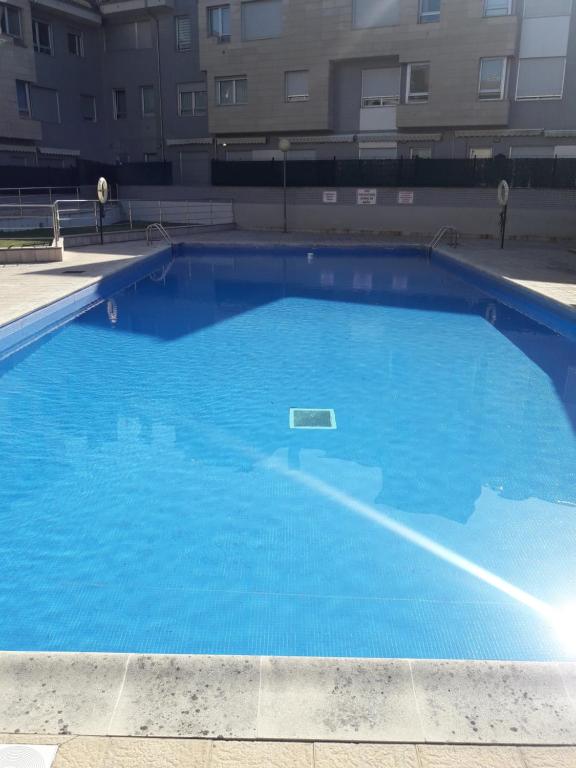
439, 236
161, 229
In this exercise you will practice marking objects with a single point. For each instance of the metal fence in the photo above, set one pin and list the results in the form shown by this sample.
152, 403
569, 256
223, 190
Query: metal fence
41, 222
553, 173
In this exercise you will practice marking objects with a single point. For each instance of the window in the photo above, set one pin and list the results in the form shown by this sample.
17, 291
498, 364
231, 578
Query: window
128, 36
88, 108
497, 7
150, 157
119, 104
297, 85
192, 100
45, 104
10, 21
75, 43
183, 33
380, 87
219, 22
540, 78
417, 83
261, 19
23, 98
492, 79
375, 13
481, 153
534, 9
230, 91
429, 11
422, 153
42, 37
148, 100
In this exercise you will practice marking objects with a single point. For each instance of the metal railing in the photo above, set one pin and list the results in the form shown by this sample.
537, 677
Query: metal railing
156, 226
82, 216
453, 234
37, 194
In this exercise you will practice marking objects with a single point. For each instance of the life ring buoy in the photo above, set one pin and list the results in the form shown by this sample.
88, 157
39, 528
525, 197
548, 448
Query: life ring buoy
503, 192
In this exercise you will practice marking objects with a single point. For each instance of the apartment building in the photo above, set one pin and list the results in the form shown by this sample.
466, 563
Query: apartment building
188, 80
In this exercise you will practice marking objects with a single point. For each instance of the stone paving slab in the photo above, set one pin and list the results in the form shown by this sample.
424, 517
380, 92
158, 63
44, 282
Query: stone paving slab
546, 269
342, 699
27, 287
494, 703
198, 696
107, 752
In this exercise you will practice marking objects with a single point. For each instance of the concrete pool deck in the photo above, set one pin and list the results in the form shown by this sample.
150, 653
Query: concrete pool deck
130, 710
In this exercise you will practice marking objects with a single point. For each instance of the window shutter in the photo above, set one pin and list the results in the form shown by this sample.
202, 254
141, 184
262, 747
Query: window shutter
261, 19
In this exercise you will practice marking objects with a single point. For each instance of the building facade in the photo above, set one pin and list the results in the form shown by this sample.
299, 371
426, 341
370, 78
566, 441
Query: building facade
190, 80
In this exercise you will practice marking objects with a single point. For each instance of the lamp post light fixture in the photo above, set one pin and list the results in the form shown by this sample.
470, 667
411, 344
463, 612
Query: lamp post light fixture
284, 145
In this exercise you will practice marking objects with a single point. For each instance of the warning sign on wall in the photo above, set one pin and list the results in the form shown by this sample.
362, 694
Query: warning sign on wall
405, 198
366, 196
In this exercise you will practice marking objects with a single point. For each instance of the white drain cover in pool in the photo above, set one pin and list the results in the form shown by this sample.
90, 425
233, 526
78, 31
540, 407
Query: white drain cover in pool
312, 418
27, 755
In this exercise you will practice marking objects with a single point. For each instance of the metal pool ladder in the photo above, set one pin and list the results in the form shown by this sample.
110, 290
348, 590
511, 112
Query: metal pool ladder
160, 229
453, 234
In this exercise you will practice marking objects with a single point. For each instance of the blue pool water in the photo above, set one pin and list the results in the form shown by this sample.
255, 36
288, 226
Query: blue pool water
153, 497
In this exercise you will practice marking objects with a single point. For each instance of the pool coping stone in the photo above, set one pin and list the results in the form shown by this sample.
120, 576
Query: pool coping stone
288, 698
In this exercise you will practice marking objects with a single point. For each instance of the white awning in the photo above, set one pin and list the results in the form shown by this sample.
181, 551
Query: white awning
17, 148
185, 142
59, 152
499, 133
243, 140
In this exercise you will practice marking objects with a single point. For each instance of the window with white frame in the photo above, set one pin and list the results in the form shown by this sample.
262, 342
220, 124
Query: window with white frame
88, 107
375, 13
183, 33
192, 100
148, 100
75, 43
418, 83
10, 21
497, 7
231, 91
296, 85
492, 82
480, 153
23, 98
377, 150
380, 87
119, 104
541, 78
42, 37
219, 22
261, 19
429, 11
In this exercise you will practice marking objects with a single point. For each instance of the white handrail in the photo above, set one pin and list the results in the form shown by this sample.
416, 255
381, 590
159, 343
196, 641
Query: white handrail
439, 236
160, 229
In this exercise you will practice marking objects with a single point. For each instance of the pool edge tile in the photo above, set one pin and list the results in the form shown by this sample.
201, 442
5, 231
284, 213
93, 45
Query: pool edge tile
188, 696
493, 702
328, 699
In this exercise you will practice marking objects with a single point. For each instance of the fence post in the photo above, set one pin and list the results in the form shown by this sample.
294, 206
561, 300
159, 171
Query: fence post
20, 201
96, 217
160, 211
211, 212
130, 213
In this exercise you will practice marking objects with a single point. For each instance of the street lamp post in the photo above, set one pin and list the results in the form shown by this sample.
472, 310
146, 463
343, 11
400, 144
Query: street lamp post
284, 145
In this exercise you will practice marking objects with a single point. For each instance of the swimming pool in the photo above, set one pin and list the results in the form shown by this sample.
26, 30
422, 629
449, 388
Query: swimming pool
154, 497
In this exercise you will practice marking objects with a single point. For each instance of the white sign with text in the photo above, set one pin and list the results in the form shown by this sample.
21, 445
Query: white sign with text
366, 196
